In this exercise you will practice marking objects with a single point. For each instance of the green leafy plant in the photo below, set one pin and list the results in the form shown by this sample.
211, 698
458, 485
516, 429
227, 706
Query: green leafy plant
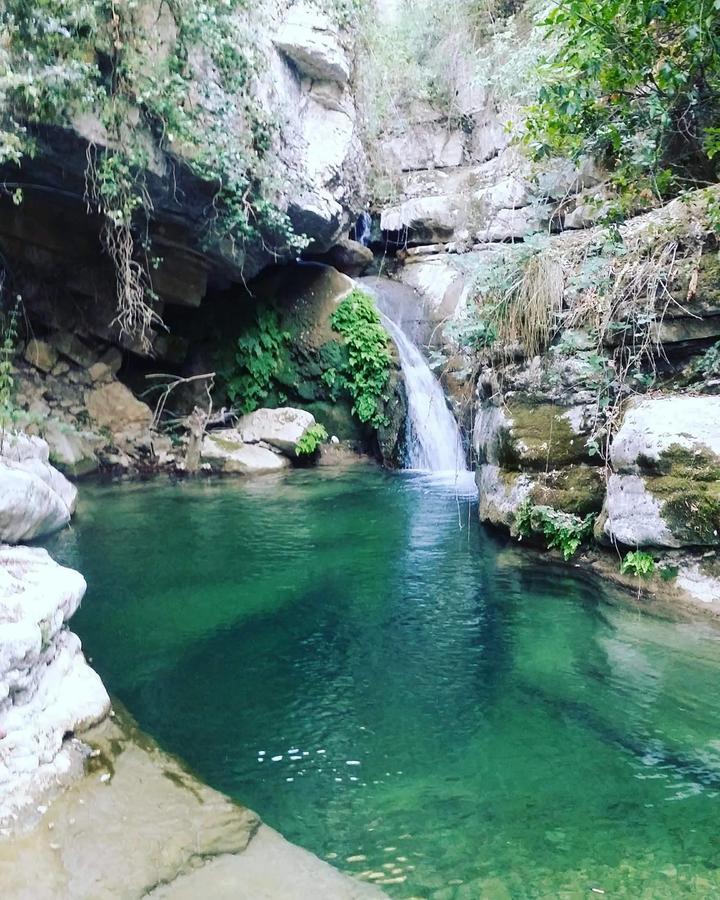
311, 440
258, 354
637, 562
367, 373
562, 531
635, 84
8, 341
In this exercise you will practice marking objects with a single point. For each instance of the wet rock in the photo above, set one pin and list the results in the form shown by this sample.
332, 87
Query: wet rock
41, 355
280, 428
140, 825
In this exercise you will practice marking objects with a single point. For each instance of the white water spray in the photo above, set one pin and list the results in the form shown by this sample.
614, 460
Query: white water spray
434, 442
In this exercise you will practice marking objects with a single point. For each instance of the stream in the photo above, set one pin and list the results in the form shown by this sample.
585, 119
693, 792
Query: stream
350, 654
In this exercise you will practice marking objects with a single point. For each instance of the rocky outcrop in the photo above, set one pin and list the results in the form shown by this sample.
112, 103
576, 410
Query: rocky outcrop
300, 66
47, 690
35, 499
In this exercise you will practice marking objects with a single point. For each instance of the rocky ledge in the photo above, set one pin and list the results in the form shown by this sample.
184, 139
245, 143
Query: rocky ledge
182, 839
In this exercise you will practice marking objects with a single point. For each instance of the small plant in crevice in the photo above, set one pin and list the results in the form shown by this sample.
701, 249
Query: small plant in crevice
637, 562
257, 356
367, 373
311, 440
561, 531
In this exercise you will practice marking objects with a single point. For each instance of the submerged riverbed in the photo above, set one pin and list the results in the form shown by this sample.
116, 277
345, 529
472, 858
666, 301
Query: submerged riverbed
352, 656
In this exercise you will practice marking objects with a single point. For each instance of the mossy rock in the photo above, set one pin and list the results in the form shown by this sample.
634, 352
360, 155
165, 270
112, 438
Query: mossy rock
579, 490
690, 506
540, 436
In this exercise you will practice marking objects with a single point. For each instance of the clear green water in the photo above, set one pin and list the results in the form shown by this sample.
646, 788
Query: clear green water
353, 657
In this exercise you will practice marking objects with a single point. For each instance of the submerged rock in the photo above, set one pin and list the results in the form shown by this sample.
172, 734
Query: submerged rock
140, 825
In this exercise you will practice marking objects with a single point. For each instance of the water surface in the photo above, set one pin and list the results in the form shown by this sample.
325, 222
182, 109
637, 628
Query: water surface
352, 656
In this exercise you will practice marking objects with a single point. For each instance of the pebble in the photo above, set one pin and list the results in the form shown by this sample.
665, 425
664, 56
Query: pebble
358, 858
105, 777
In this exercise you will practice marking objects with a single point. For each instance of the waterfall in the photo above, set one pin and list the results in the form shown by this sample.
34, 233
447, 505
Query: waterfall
434, 442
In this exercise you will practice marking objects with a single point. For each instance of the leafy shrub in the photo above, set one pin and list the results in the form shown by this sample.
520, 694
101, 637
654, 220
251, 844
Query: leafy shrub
637, 85
367, 373
311, 440
259, 350
562, 531
637, 562
8, 340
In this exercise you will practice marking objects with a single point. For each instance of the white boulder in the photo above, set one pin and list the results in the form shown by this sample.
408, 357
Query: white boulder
280, 428
225, 451
47, 690
35, 499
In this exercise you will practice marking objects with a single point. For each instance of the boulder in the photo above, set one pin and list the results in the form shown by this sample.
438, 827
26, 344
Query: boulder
113, 406
501, 494
41, 355
427, 145
350, 257
225, 451
429, 219
311, 40
280, 428
35, 499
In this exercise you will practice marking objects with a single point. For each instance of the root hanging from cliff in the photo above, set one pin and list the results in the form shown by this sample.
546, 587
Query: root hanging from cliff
136, 318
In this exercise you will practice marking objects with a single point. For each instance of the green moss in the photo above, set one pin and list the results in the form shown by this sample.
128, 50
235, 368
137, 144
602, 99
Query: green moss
540, 437
680, 462
690, 507
577, 489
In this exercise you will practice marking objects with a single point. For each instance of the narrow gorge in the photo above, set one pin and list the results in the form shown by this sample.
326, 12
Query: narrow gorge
359, 449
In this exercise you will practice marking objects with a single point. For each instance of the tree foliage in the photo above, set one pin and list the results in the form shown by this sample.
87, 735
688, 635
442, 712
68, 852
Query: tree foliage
636, 84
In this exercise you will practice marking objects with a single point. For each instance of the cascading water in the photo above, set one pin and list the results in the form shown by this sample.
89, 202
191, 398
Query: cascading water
434, 442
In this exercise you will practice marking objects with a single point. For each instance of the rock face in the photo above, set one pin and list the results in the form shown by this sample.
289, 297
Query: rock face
35, 499
312, 41
47, 690
666, 488
301, 75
